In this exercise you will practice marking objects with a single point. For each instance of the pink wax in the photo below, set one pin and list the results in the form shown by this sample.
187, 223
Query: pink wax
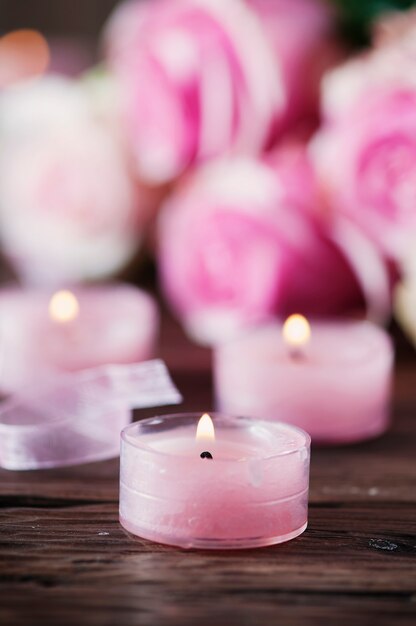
112, 324
253, 492
337, 387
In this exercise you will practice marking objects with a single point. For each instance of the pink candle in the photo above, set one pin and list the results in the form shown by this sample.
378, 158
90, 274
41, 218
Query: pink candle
332, 379
243, 485
42, 332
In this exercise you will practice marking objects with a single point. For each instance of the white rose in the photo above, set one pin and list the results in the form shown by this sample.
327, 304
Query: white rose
68, 207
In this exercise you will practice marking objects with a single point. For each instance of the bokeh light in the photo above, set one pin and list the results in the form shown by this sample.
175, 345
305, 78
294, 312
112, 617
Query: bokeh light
24, 54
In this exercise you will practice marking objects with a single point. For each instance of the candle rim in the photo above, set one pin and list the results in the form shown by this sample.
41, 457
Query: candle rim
304, 445
276, 325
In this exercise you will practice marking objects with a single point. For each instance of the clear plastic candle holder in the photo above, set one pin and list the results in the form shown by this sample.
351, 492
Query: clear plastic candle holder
246, 488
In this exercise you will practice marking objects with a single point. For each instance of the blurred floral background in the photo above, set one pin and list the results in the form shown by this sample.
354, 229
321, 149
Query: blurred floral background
260, 154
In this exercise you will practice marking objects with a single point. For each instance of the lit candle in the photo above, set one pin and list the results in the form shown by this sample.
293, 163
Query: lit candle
241, 484
43, 332
332, 379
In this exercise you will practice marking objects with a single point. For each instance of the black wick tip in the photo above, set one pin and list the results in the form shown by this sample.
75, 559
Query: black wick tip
206, 455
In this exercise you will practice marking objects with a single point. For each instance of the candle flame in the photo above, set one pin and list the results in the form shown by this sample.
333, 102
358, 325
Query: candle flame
63, 307
205, 430
296, 331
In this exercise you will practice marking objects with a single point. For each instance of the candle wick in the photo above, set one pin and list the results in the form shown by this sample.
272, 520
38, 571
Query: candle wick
206, 455
296, 354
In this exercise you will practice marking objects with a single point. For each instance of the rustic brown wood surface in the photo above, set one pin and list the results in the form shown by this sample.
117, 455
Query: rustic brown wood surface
64, 559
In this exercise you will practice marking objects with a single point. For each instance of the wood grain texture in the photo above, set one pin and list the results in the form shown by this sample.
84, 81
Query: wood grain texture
65, 560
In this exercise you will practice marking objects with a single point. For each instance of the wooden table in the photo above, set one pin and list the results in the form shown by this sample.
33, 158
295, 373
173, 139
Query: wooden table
64, 558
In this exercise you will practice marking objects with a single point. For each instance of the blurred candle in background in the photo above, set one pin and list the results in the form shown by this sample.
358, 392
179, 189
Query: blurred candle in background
333, 379
43, 332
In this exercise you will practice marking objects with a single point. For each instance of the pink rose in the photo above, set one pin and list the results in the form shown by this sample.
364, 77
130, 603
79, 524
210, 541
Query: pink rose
366, 150
304, 45
69, 209
204, 78
243, 240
